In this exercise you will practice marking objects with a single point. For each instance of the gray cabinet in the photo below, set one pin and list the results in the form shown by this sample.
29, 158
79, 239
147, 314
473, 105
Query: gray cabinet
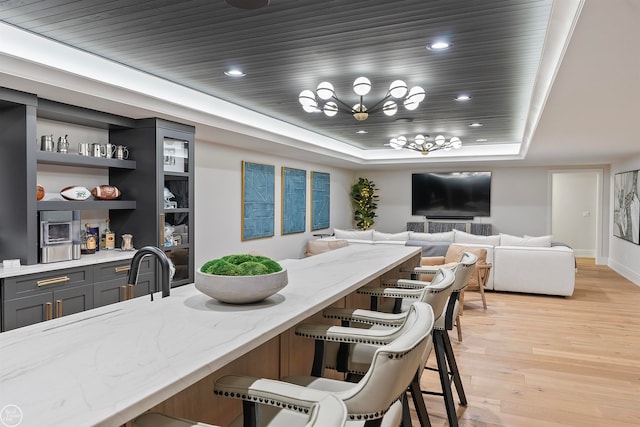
110, 281
34, 298
164, 156
38, 297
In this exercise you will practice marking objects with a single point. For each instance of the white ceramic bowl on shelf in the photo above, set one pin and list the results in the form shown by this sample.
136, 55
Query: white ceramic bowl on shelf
240, 289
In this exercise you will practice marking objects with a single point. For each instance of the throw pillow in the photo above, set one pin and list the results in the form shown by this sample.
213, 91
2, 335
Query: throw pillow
509, 240
402, 236
353, 234
462, 237
447, 236
543, 241
455, 253
315, 247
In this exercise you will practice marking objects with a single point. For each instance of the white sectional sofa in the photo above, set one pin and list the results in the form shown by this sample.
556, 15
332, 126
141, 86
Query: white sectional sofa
519, 264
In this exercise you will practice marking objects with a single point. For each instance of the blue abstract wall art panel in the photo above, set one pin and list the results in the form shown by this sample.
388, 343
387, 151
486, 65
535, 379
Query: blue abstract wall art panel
320, 196
294, 200
258, 194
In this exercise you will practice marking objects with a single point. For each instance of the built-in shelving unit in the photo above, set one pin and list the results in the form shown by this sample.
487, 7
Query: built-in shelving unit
141, 179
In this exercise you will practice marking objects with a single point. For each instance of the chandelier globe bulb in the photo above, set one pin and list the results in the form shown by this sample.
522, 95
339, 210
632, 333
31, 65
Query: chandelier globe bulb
398, 89
417, 94
361, 86
410, 104
390, 108
330, 109
307, 98
325, 90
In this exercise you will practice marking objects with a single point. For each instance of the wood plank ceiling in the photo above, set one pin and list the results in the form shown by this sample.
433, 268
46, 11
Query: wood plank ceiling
293, 45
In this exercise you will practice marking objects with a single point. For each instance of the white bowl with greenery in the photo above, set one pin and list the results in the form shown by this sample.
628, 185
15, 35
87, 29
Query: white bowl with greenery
241, 279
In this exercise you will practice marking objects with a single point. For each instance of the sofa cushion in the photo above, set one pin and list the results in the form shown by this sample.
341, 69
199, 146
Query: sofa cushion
462, 237
315, 247
540, 242
447, 236
353, 234
379, 236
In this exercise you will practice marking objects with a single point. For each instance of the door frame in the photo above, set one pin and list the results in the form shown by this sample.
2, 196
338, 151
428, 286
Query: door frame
599, 172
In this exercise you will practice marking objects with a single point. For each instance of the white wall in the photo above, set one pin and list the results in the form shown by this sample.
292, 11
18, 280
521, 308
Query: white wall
624, 256
574, 210
218, 185
518, 200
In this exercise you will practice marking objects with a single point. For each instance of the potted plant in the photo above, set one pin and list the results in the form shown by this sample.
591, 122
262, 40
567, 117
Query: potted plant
365, 203
241, 279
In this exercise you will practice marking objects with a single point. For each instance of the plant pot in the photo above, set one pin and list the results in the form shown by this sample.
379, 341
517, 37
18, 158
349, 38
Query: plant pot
240, 289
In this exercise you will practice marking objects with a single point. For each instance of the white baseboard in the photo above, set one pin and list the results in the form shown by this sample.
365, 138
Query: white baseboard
624, 271
585, 253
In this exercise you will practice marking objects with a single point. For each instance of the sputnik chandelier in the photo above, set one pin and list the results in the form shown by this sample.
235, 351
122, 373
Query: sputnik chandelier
423, 146
361, 86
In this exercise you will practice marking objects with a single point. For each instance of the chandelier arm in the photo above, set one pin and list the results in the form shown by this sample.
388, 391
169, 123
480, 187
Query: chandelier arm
378, 106
346, 107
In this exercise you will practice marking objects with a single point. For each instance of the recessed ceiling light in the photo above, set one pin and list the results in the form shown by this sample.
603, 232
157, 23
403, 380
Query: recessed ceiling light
482, 140
475, 125
234, 72
462, 98
439, 45
362, 131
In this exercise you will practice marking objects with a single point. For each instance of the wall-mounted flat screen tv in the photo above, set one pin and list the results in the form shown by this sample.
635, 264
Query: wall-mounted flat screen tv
461, 195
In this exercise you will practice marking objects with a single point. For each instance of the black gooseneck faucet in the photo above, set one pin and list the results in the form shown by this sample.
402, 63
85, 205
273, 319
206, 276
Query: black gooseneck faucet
164, 265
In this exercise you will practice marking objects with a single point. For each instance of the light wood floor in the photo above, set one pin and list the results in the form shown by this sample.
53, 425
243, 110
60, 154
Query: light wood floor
532, 360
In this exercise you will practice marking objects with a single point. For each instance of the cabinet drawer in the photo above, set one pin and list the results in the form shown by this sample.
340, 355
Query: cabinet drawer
22, 286
120, 269
111, 292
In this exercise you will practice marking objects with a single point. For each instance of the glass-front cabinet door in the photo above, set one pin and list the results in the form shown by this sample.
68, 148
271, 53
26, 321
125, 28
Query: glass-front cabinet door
177, 206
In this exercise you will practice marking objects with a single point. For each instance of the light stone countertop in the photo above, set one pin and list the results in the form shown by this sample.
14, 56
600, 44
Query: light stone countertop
98, 257
107, 365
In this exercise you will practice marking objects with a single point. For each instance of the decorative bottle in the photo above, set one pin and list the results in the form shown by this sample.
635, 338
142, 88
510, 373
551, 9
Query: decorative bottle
108, 240
89, 241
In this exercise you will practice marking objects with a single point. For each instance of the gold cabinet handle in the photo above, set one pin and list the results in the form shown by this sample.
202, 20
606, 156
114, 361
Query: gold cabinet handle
123, 268
123, 293
58, 308
52, 281
131, 293
48, 311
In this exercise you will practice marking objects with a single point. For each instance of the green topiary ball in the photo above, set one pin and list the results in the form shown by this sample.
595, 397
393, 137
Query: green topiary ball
238, 259
252, 268
221, 267
241, 265
271, 265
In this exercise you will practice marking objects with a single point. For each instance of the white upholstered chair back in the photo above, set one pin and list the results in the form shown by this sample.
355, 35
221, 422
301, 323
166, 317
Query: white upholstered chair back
393, 367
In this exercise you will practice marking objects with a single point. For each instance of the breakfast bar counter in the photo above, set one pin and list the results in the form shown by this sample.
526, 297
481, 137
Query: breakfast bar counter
107, 365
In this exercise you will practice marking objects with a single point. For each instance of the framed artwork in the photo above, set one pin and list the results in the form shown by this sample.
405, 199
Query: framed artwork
258, 194
626, 206
294, 200
320, 197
